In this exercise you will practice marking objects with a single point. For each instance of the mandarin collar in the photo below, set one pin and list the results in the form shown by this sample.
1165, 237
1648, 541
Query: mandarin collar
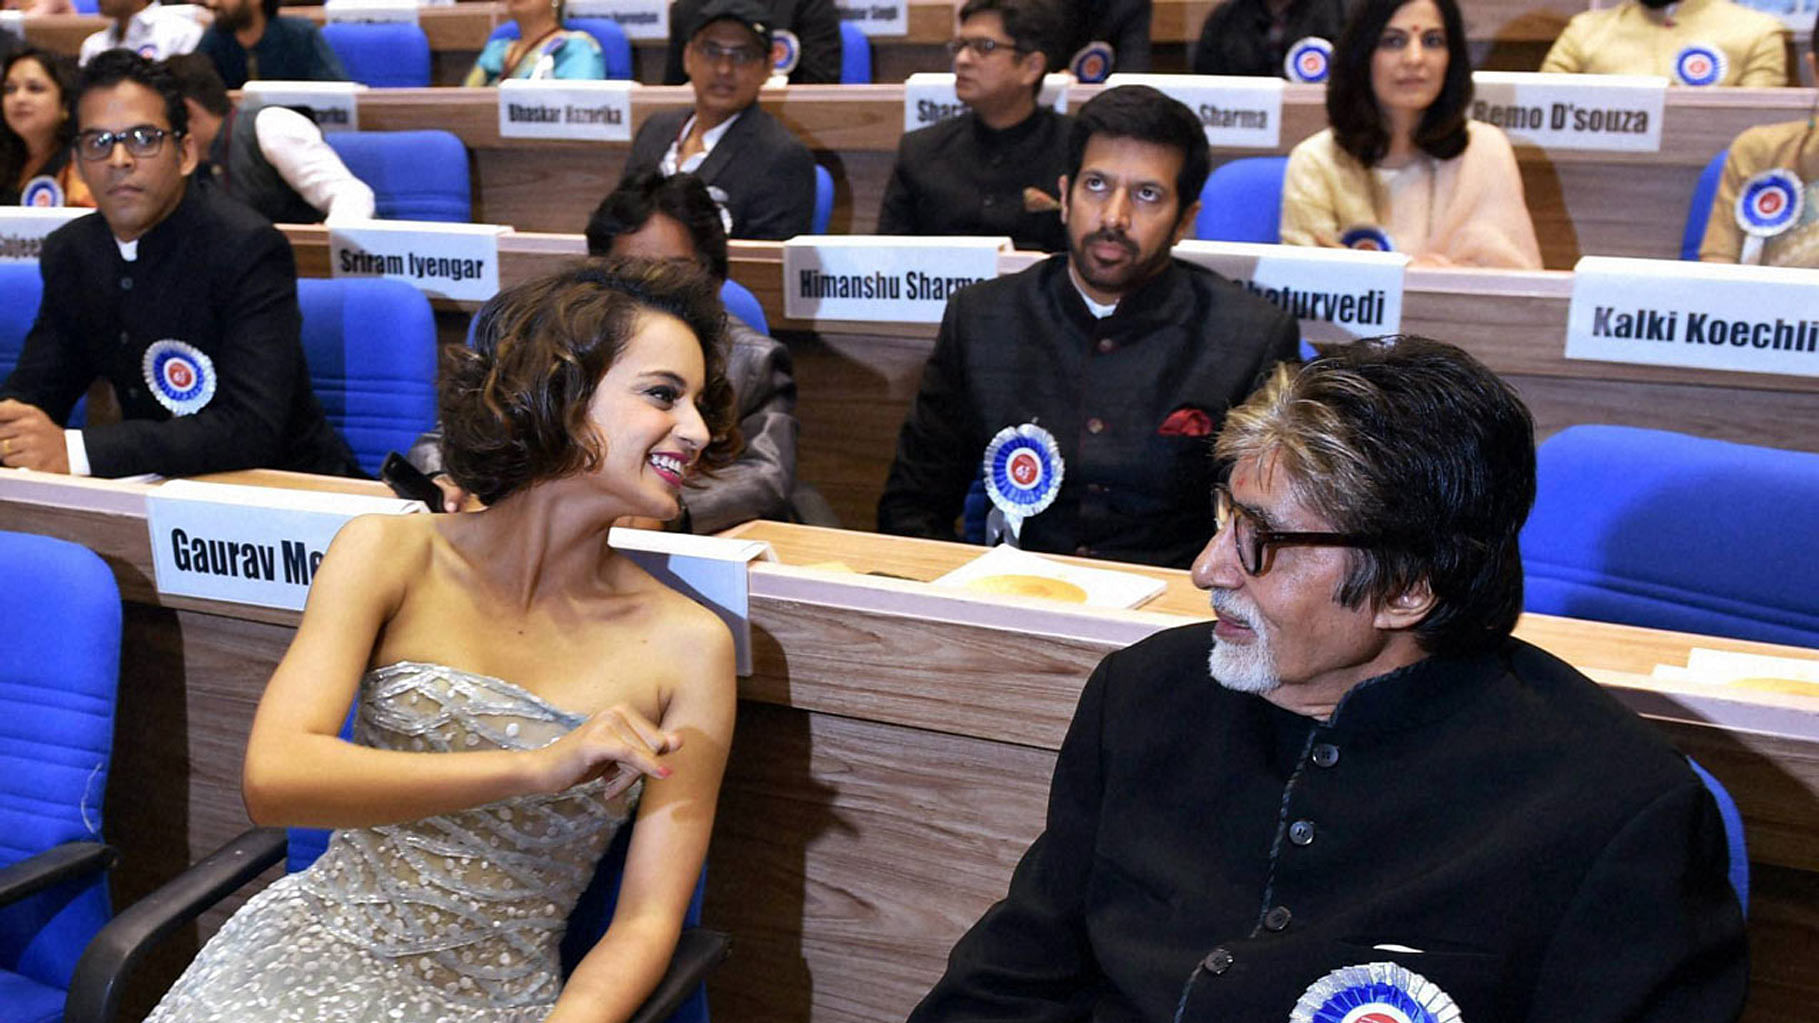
165, 235
1138, 311
988, 135
1413, 696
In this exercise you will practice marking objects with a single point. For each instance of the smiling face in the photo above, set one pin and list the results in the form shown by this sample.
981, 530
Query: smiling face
1123, 214
134, 193
32, 103
1408, 67
727, 64
644, 414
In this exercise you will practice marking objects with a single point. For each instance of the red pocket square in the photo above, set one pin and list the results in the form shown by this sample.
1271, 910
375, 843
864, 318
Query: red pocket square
1187, 422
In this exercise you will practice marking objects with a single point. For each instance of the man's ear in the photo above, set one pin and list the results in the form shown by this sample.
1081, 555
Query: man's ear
187, 154
1061, 183
1407, 609
1186, 223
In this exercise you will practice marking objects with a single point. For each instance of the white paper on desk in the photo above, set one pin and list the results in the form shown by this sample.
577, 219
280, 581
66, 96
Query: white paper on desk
1010, 567
709, 569
1724, 666
248, 545
12, 23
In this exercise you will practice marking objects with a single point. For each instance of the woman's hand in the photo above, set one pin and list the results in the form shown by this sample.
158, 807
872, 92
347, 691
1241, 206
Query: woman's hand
617, 741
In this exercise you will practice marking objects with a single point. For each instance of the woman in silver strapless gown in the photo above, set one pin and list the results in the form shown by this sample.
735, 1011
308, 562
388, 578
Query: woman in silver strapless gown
523, 691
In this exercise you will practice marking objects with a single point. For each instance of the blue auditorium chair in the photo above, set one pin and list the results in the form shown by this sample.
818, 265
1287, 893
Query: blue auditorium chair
1672, 531
855, 55
1242, 201
384, 55
614, 46
824, 200
371, 347
1733, 833
59, 670
414, 175
1701, 208
743, 304
21, 289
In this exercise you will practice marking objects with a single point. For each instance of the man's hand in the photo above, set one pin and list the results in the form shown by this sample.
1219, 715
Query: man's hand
29, 440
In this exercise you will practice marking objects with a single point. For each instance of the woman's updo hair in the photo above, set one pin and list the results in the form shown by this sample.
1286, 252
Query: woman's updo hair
514, 406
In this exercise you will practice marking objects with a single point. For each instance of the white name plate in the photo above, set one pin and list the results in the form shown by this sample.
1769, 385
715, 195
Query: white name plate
928, 97
396, 11
12, 23
640, 19
248, 545
878, 17
882, 279
1237, 113
709, 569
1620, 113
459, 261
24, 228
335, 104
1337, 294
1745, 319
565, 109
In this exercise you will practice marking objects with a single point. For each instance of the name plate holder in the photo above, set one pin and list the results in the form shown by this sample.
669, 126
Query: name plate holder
876, 18
24, 228
335, 105
711, 570
1337, 294
1709, 316
590, 111
1610, 113
928, 97
248, 545
882, 279
453, 261
397, 12
639, 19
1237, 112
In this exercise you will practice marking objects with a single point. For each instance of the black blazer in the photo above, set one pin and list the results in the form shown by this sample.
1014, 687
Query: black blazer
765, 174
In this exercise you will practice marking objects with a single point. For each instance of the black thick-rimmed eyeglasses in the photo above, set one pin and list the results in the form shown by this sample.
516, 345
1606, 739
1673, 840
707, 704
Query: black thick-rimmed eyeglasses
1255, 542
982, 46
141, 140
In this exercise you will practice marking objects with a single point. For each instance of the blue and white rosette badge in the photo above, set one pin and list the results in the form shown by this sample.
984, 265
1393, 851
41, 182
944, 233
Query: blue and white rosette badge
1308, 60
1366, 238
786, 52
181, 376
1700, 64
1093, 64
41, 191
1767, 205
1023, 471
1374, 993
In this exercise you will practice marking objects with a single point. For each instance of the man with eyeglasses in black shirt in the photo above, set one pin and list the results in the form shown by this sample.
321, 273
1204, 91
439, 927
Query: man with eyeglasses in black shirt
762, 177
185, 304
995, 169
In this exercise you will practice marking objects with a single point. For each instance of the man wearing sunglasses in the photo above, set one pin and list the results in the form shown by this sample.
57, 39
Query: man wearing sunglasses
186, 304
1356, 797
992, 170
762, 176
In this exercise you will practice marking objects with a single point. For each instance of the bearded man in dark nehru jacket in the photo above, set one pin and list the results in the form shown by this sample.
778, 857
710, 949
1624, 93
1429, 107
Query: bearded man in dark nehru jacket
1356, 797
185, 302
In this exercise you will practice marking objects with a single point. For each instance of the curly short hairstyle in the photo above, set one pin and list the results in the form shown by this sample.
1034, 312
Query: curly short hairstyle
1147, 115
680, 197
514, 406
1351, 102
62, 72
1416, 442
111, 67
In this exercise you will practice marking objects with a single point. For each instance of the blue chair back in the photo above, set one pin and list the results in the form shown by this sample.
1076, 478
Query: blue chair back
21, 289
744, 304
1672, 531
371, 347
824, 200
855, 55
1242, 201
383, 55
1733, 833
614, 46
59, 670
1701, 209
414, 175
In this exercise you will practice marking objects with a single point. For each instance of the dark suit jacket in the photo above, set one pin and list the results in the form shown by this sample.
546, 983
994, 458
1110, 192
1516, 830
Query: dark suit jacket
816, 24
1496, 824
213, 275
766, 174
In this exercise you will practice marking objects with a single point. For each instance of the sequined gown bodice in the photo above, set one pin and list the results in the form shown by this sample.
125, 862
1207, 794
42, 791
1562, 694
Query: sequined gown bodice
452, 917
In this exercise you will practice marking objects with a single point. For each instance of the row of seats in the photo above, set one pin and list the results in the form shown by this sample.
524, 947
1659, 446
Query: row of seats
396, 55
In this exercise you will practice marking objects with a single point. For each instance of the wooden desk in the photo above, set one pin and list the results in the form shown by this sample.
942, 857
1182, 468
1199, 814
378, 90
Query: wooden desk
892, 758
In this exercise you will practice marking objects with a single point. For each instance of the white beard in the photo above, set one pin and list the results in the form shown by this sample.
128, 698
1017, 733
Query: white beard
1243, 667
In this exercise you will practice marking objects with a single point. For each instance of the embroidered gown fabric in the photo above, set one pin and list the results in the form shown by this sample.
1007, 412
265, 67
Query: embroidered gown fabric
452, 917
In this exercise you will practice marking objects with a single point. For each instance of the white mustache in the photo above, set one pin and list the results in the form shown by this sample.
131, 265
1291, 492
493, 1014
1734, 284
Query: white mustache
1233, 608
